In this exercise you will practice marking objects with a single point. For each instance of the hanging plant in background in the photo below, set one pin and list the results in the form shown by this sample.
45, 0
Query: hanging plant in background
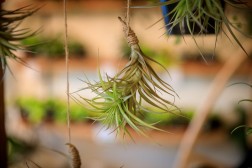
248, 129
193, 17
10, 35
119, 100
199, 17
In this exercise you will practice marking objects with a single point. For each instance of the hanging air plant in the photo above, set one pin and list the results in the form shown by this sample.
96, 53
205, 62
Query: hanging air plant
193, 17
10, 35
138, 77
119, 100
114, 109
199, 17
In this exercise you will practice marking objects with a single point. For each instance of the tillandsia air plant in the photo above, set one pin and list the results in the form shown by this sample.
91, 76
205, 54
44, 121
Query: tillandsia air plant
198, 16
119, 100
10, 34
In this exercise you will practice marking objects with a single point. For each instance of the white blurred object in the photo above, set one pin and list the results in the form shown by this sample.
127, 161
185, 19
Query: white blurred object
102, 134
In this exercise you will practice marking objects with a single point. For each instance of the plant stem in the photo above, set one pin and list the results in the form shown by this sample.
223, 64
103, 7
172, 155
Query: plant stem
3, 138
215, 89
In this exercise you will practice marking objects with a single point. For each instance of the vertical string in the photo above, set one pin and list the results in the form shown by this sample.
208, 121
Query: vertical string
67, 70
128, 16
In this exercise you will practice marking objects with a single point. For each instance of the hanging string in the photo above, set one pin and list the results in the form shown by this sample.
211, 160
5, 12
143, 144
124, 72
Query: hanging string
76, 160
129, 33
128, 16
67, 71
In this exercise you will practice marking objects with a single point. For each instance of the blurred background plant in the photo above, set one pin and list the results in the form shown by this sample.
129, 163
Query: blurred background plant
34, 110
11, 34
52, 47
18, 149
199, 17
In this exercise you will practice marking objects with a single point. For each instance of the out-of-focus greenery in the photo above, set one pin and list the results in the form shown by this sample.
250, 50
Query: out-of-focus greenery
36, 110
18, 149
11, 34
52, 47
153, 1
168, 119
31, 109
213, 122
164, 57
242, 111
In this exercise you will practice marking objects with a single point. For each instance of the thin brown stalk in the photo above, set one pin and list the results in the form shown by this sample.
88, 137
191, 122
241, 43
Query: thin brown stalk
215, 89
67, 71
3, 138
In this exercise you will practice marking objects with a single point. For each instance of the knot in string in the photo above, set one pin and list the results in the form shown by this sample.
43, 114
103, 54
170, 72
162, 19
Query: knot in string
129, 33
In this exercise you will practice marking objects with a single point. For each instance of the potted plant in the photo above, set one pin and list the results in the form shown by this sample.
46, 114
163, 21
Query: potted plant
200, 17
193, 17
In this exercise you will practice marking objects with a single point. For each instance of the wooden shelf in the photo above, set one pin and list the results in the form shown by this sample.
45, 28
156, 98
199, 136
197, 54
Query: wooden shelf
211, 69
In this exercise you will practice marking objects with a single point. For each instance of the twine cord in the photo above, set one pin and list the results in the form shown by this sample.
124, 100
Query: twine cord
128, 16
129, 33
76, 160
67, 70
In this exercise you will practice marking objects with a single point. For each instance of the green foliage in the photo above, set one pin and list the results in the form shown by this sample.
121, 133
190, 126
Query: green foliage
107, 111
161, 56
37, 110
10, 35
52, 47
125, 49
119, 99
32, 108
114, 109
78, 114
167, 119
17, 149
187, 15
76, 48
160, 119
54, 109
248, 130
